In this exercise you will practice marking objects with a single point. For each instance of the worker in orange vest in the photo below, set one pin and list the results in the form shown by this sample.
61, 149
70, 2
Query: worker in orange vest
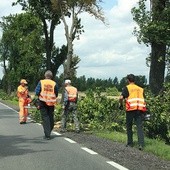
47, 92
24, 100
135, 107
70, 105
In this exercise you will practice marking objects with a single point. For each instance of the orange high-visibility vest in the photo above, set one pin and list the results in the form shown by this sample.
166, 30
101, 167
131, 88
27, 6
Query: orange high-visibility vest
135, 100
72, 93
22, 92
47, 94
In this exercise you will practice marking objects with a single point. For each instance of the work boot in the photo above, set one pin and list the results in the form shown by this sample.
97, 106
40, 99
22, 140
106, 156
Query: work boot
77, 131
22, 123
140, 147
47, 137
129, 145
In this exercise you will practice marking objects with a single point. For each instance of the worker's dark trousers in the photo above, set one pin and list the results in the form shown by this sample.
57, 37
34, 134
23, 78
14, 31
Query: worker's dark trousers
71, 108
135, 116
47, 115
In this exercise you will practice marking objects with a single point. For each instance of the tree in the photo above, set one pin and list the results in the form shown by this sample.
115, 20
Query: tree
80, 83
43, 9
154, 30
90, 83
73, 28
115, 82
21, 49
122, 84
139, 80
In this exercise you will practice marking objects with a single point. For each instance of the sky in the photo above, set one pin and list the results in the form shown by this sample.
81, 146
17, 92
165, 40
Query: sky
106, 51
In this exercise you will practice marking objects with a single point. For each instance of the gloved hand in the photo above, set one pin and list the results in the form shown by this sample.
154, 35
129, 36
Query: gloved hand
36, 102
120, 106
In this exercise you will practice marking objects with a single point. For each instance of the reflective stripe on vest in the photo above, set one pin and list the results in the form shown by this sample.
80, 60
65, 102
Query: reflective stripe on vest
135, 100
47, 92
72, 93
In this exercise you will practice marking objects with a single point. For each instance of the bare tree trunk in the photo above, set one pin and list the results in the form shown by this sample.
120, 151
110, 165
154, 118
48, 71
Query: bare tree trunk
158, 51
157, 68
69, 34
49, 37
69, 60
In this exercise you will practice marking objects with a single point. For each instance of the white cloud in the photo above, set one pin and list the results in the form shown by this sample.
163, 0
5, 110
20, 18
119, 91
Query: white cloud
109, 51
6, 8
105, 51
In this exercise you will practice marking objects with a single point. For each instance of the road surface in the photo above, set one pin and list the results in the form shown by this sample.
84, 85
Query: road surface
22, 147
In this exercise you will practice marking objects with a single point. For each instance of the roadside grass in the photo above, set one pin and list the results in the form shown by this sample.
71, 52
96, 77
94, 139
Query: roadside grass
12, 102
153, 146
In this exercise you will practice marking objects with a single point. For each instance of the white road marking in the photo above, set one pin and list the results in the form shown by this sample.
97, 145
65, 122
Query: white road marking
69, 140
117, 165
89, 151
9, 107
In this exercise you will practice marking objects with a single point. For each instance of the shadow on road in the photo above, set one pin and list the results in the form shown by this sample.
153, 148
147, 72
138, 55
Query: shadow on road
17, 145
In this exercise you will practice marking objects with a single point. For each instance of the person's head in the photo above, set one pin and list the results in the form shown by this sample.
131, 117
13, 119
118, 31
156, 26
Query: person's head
131, 78
48, 74
67, 82
23, 82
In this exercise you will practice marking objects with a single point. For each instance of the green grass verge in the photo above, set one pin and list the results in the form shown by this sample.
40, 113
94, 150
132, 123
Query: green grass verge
156, 147
12, 102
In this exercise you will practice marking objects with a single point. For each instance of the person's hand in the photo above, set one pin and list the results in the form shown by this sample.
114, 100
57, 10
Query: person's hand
120, 106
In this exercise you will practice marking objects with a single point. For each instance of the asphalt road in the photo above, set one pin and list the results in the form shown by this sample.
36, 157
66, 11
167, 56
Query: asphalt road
23, 147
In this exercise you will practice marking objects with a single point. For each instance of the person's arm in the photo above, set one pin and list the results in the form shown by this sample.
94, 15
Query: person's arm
65, 100
21, 89
56, 90
121, 100
38, 89
123, 95
77, 97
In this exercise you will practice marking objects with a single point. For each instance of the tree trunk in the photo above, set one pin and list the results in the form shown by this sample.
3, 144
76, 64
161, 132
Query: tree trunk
158, 51
157, 68
69, 60
49, 41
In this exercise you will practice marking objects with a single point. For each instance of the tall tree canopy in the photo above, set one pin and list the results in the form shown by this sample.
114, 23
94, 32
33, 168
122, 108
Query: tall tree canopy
43, 9
70, 11
21, 48
154, 30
